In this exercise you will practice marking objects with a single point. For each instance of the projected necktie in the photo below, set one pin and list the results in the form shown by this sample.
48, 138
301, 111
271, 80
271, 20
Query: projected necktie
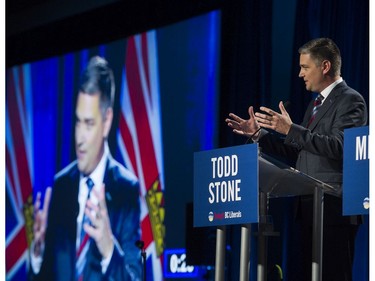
317, 104
84, 240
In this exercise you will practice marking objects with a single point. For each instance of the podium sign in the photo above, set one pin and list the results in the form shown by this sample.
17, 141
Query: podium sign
226, 186
356, 171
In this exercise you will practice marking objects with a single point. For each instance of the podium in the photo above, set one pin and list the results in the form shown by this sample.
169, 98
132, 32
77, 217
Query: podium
279, 180
274, 179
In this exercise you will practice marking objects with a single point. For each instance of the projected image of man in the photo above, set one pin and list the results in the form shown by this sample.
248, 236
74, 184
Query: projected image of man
90, 219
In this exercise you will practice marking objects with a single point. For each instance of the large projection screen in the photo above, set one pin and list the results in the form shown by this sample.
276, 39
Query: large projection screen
166, 107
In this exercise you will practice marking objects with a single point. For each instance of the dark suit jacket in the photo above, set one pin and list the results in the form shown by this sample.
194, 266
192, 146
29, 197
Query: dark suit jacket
122, 198
318, 149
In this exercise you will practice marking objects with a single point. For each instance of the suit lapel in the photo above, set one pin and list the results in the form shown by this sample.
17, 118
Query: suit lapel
327, 105
108, 181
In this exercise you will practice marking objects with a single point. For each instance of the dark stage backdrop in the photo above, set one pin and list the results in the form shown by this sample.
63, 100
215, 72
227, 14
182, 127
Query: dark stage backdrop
165, 109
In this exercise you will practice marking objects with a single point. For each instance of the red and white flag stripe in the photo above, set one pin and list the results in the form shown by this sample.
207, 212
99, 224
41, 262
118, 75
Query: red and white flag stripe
19, 162
139, 135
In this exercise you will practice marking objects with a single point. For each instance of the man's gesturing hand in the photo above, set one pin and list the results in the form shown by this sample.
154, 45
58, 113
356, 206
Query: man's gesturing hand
40, 221
241, 126
279, 122
100, 229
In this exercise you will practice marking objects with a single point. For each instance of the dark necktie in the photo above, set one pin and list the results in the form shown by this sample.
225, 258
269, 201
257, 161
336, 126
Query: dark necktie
317, 105
84, 239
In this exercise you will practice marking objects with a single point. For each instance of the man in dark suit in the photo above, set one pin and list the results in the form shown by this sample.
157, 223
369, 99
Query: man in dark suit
317, 147
90, 220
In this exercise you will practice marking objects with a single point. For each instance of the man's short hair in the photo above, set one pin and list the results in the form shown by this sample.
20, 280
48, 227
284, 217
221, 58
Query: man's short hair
321, 49
98, 78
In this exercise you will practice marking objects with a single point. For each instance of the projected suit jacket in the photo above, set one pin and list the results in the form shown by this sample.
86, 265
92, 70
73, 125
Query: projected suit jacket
122, 199
318, 148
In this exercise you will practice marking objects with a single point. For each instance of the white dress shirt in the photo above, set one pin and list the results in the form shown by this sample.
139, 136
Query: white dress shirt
329, 89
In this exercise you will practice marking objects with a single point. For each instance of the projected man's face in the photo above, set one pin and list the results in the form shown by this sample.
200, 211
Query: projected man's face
90, 132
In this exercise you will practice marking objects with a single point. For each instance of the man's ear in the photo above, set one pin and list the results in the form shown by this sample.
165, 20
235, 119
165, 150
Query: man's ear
326, 66
108, 122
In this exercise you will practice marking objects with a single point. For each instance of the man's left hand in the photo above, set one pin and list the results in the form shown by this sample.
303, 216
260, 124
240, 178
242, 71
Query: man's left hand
279, 122
100, 228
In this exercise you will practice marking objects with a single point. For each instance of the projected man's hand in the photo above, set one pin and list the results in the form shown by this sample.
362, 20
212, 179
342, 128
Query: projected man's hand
100, 229
40, 221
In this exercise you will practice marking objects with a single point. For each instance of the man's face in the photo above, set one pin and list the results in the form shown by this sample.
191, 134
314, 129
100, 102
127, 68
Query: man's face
311, 73
90, 132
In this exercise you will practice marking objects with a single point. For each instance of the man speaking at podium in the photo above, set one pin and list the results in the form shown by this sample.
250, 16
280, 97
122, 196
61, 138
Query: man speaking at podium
317, 147
90, 220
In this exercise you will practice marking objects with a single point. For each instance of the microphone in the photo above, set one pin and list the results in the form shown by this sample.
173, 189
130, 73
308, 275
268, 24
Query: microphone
140, 244
286, 105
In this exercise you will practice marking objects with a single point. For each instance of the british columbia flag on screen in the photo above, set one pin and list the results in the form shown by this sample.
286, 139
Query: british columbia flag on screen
19, 171
139, 141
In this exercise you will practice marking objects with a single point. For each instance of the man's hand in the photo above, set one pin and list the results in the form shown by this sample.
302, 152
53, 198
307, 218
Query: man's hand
100, 229
40, 221
241, 126
279, 122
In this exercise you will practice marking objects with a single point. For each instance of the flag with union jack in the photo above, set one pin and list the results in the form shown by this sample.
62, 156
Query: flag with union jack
19, 170
139, 141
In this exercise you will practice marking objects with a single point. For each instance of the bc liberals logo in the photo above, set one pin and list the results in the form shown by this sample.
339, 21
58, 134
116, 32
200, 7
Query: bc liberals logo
215, 216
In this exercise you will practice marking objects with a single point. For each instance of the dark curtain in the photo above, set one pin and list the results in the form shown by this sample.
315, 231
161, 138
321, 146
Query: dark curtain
347, 23
246, 59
